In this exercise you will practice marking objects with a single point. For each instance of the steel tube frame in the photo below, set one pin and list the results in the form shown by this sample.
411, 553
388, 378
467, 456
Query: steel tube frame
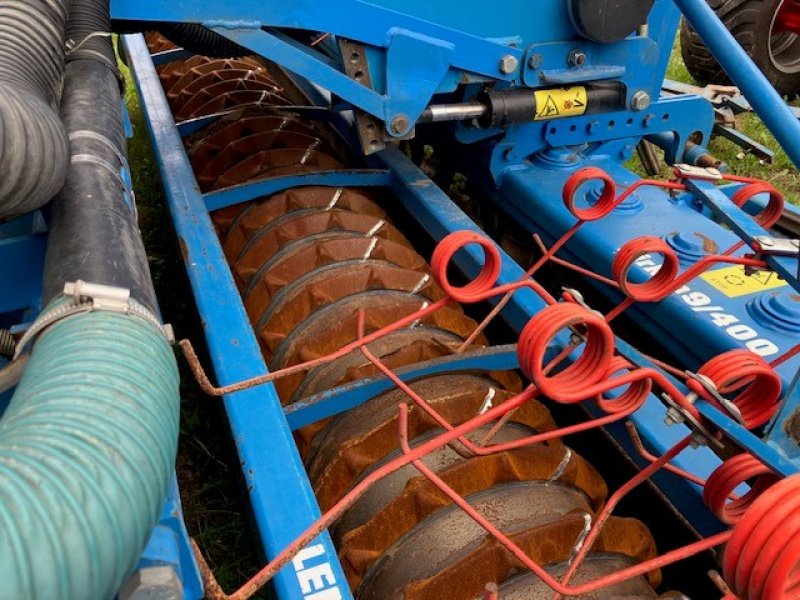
769, 105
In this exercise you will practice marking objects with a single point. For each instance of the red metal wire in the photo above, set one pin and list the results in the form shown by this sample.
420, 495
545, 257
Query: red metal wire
730, 475
666, 280
605, 204
772, 212
756, 384
762, 557
612, 503
548, 253
602, 582
582, 379
786, 356
649, 457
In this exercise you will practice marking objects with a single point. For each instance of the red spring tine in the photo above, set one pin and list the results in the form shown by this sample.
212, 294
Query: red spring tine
605, 203
772, 212
589, 368
586, 377
476, 289
730, 475
630, 399
762, 556
757, 384
660, 285
666, 280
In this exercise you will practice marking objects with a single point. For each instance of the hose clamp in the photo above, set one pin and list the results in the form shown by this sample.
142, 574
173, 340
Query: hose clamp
82, 297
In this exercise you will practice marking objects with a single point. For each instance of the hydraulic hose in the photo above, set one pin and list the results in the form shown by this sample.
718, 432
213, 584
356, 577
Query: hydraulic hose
201, 40
193, 37
34, 153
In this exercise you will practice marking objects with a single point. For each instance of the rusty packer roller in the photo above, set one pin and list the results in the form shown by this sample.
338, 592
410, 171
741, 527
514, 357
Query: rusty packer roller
306, 261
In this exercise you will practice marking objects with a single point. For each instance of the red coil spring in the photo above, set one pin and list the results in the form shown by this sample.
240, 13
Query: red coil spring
757, 384
485, 280
604, 205
730, 475
772, 212
763, 555
589, 368
660, 285
632, 397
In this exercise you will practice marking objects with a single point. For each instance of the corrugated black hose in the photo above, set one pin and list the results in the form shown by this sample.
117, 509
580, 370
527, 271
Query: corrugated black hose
34, 152
94, 235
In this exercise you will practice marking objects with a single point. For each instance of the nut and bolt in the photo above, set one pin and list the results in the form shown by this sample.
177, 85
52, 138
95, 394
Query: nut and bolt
576, 58
640, 101
508, 64
400, 124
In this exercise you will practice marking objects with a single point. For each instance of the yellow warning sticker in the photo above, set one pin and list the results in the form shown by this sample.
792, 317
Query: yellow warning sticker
733, 282
557, 104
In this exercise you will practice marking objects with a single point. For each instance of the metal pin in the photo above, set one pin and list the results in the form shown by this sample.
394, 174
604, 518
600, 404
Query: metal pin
371, 247
376, 228
309, 151
562, 466
337, 194
418, 322
488, 401
422, 282
587, 527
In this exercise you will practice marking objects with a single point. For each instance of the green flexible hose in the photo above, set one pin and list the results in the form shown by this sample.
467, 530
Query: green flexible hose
87, 446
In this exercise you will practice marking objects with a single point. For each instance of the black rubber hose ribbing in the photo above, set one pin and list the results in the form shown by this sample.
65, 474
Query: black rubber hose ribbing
34, 153
94, 235
88, 33
189, 36
200, 40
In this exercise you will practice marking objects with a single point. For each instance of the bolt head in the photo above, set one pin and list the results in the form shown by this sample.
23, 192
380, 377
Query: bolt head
400, 124
535, 61
152, 583
641, 101
508, 64
576, 58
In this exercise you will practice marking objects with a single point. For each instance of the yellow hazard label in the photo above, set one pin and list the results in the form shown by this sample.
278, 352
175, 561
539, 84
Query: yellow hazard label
557, 104
733, 282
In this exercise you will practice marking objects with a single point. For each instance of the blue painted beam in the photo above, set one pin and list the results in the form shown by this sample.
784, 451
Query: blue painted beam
768, 104
258, 189
343, 398
280, 494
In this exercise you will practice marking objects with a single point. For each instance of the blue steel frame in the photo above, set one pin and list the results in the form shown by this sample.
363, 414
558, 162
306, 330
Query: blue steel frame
464, 46
460, 51
280, 495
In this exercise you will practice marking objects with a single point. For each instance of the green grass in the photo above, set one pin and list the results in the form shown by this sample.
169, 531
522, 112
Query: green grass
781, 173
